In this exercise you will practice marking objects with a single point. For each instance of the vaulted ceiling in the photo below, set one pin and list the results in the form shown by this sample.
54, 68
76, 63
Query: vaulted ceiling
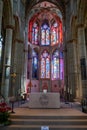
32, 4
45, 9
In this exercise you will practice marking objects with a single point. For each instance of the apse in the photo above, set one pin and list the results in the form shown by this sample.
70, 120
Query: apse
45, 38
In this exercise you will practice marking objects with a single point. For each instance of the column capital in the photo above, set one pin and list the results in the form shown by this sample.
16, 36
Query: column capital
80, 25
19, 40
25, 50
9, 27
71, 41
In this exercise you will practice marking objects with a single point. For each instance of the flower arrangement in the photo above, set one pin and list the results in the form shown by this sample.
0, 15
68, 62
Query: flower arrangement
4, 113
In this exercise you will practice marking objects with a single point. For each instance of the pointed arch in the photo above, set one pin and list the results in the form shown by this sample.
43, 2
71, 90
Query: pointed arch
45, 33
35, 32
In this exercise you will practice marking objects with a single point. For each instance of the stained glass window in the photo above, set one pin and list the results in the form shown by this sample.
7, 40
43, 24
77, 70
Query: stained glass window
61, 66
1, 40
34, 64
49, 35
45, 34
57, 65
45, 65
60, 33
30, 31
54, 34
35, 34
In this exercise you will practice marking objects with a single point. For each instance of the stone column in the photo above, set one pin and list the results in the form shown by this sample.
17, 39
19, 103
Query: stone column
82, 53
69, 68
17, 67
1, 13
73, 75
65, 73
21, 65
23, 76
30, 64
7, 61
25, 60
81, 41
75, 71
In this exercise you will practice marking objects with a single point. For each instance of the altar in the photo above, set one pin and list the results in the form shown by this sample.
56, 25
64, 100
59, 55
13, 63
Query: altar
44, 100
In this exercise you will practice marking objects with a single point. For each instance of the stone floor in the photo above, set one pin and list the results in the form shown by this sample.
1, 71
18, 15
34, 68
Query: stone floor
68, 117
65, 109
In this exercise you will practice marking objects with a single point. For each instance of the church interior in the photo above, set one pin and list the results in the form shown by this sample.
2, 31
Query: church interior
43, 45
43, 49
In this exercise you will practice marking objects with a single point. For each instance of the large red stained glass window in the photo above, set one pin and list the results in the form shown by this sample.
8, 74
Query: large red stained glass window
60, 33
45, 34
30, 30
48, 34
54, 34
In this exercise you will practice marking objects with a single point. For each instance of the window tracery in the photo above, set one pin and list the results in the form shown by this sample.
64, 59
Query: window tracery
57, 65
45, 65
35, 34
45, 34
34, 64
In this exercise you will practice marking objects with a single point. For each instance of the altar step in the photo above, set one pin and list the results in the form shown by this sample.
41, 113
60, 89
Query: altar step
53, 122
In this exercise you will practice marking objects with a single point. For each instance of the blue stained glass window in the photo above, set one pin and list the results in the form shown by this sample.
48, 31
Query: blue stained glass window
1, 44
57, 65
34, 64
45, 65
61, 66
45, 34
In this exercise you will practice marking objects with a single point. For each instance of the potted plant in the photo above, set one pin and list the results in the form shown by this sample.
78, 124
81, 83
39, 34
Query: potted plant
4, 114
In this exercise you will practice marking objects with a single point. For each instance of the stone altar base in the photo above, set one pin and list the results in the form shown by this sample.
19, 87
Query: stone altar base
44, 100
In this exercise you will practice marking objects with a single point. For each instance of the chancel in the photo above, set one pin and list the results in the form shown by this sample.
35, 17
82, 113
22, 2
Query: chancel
43, 62
43, 42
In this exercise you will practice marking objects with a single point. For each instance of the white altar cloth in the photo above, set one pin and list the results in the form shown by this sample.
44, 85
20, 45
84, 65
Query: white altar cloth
44, 100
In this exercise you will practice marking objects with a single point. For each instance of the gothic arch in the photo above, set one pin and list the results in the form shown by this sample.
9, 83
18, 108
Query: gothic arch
30, 10
60, 4
17, 27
